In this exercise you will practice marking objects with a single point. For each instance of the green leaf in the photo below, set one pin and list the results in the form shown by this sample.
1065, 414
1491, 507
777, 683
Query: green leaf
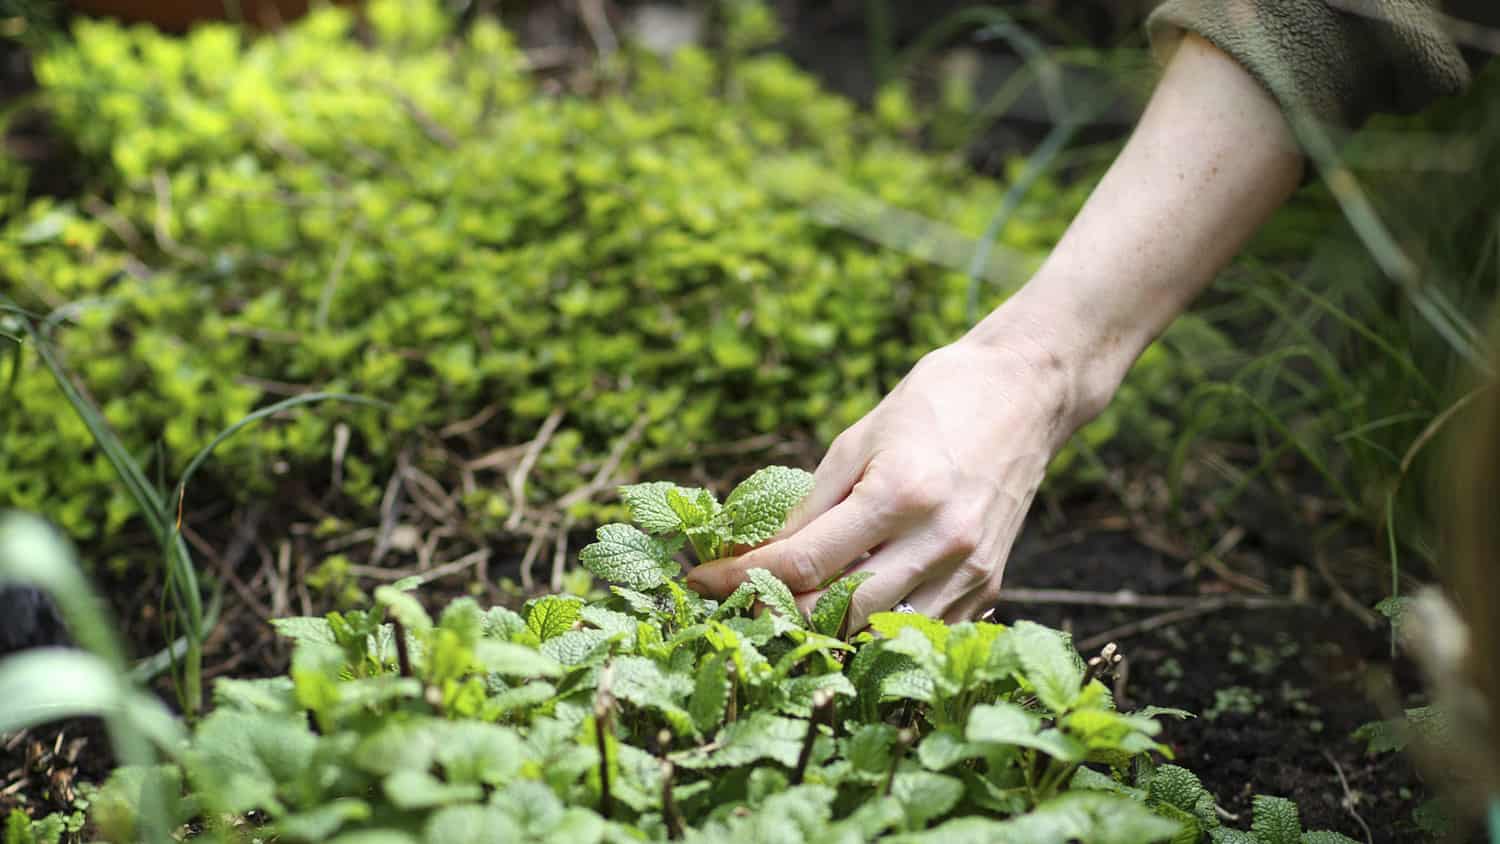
1007, 724
868, 750
469, 825
833, 605
268, 694
641, 682
374, 836
577, 647
1176, 786
890, 625
1326, 836
240, 760
472, 752
648, 507
420, 790
710, 693
925, 796
740, 599
758, 507
751, 739
553, 616
1091, 816
625, 556
1051, 665
304, 628
944, 748
612, 623
1274, 820
775, 595
512, 660
321, 822
403, 607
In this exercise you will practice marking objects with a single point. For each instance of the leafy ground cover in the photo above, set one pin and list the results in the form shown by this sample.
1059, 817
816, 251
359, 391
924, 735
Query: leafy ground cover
648, 713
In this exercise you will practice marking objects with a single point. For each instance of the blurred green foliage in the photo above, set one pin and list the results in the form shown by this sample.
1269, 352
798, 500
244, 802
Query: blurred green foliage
405, 212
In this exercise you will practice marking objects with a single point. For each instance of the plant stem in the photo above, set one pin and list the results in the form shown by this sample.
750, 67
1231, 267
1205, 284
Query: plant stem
403, 657
903, 741
821, 708
669, 809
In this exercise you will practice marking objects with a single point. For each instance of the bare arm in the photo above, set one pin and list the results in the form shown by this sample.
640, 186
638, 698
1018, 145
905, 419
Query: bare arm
934, 483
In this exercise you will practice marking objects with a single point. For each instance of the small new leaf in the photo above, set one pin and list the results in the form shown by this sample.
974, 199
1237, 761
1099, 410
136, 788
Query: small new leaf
833, 605
775, 594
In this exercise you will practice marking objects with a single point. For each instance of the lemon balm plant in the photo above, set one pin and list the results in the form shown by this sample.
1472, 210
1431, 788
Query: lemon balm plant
653, 714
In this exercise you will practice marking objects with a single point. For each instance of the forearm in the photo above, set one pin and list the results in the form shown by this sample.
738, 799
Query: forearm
1210, 160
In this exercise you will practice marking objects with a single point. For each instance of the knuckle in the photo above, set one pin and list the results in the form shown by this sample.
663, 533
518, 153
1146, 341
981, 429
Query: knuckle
799, 570
974, 570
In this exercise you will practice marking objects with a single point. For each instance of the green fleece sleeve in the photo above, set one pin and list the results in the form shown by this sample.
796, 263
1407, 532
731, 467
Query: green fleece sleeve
1322, 61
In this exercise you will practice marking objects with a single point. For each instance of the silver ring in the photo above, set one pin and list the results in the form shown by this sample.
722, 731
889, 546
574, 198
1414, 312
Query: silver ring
905, 607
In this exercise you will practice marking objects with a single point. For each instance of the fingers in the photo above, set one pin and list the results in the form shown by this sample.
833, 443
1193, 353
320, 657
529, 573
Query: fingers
962, 593
840, 469
825, 547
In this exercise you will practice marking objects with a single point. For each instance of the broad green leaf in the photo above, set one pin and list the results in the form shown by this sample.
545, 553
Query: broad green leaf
267, 694
1176, 786
501, 623
1007, 724
868, 750
890, 625
471, 752
396, 746
833, 605
648, 506
775, 595
469, 825
1226, 835
1325, 836
625, 556
641, 682
553, 616
797, 693
420, 790
1274, 820
1091, 816
1051, 665
577, 647
692, 506
374, 836
968, 655
534, 693
751, 739
944, 748
240, 760
321, 822
512, 660
304, 628
612, 623
925, 795
758, 507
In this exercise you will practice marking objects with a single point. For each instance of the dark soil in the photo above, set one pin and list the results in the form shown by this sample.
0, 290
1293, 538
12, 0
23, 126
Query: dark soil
1277, 691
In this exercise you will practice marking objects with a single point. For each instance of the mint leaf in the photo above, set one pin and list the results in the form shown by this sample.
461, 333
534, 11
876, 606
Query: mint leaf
833, 605
751, 739
741, 598
512, 660
648, 506
758, 507
553, 616
1051, 665
625, 556
710, 693
1008, 724
470, 825
305, 629
925, 795
775, 595
1274, 820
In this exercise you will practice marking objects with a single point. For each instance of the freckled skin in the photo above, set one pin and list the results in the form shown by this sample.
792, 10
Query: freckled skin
934, 483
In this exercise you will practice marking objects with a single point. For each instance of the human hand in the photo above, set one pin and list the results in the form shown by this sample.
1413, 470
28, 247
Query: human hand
929, 490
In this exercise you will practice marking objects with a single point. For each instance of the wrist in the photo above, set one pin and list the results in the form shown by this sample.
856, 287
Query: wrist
1079, 360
